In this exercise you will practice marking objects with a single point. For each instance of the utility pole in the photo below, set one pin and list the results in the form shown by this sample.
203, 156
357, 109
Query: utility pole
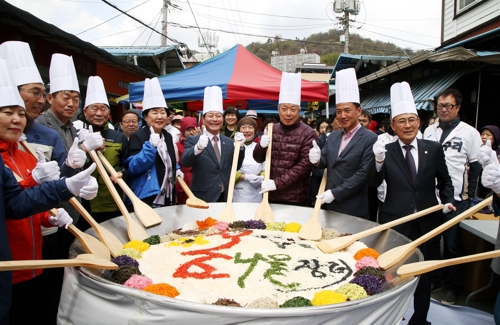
163, 59
346, 7
164, 22
346, 31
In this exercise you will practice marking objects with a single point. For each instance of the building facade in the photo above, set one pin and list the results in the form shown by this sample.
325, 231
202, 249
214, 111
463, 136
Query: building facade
288, 63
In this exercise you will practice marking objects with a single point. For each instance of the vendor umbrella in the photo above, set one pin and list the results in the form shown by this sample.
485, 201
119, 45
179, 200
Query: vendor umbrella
240, 75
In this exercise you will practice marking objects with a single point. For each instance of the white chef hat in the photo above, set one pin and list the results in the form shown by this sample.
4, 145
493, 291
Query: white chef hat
9, 95
153, 95
402, 99
62, 74
290, 88
212, 99
96, 94
346, 86
21, 62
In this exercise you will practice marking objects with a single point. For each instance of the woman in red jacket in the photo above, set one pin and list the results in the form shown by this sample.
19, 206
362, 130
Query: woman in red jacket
189, 127
25, 235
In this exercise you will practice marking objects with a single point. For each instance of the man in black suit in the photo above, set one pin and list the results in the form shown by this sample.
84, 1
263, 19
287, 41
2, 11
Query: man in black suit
348, 154
410, 168
211, 153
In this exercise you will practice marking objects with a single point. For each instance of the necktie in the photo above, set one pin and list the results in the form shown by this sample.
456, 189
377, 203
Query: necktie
216, 148
217, 154
410, 162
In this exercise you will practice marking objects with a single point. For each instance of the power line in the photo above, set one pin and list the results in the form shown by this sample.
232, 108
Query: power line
399, 39
201, 34
250, 25
145, 28
401, 31
140, 22
256, 13
110, 19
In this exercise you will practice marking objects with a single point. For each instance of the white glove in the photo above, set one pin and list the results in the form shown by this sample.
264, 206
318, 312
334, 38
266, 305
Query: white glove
77, 182
254, 180
89, 191
45, 171
154, 138
62, 219
93, 140
76, 156
238, 136
491, 177
82, 134
379, 150
448, 207
178, 173
202, 142
22, 138
314, 153
267, 186
326, 196
484, 154
264, 140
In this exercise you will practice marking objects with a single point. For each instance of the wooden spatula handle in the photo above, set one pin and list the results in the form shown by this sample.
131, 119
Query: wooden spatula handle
427, 266
185, 187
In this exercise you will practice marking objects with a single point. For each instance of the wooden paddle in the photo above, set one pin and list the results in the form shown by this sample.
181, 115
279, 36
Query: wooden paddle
134, 230
228, 215
85, 260
312, 229
89, 243
192, 201
391, 257
106, 237
146, 214
336, 244
427, 266
111, 241
264, 211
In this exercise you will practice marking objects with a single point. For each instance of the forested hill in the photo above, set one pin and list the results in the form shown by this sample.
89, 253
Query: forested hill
327, 45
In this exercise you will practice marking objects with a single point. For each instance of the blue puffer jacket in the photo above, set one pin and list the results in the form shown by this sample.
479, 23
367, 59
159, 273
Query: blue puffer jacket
16, 203
142, 170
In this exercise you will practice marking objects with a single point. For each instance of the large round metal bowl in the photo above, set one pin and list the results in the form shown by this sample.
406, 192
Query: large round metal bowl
87, 298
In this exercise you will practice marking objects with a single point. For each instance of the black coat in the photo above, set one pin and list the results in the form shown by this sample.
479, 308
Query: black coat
403, 197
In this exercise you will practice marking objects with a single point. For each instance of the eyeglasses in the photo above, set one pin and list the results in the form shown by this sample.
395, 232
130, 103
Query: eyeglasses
36, 93
402, 121
448, 106
130, 121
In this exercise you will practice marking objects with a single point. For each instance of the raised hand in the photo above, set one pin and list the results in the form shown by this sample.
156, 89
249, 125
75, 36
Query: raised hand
76, 156
314, 153
154, 138
45, 171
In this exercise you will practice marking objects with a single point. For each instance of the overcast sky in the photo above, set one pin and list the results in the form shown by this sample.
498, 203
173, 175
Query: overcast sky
414, 24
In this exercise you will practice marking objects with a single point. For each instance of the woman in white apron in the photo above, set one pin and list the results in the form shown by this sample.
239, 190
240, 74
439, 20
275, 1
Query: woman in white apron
248, 178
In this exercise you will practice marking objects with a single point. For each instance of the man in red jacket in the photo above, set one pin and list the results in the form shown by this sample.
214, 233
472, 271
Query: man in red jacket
292, 140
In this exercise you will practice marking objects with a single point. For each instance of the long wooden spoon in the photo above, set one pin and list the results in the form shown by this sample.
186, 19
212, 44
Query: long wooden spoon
264, 211
427, 266
192, 201
312, 229
228, 215
89, 243
134, 230
391, 257
85, 260
336, 244
110, 240
146, 214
